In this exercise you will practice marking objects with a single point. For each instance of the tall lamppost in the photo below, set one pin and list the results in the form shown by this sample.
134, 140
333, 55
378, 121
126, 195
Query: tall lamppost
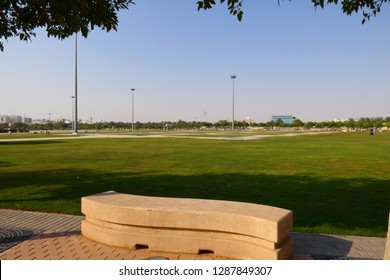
233, 77
72, 112
75, 89
49, 123
132, 109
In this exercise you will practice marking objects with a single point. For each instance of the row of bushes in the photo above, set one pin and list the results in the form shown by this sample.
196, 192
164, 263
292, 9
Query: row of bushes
362, 123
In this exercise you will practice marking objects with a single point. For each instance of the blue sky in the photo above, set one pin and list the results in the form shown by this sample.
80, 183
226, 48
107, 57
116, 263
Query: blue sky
289, 59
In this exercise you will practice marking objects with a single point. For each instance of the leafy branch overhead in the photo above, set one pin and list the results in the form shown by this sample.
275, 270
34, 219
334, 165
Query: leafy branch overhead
63, 18
234, 6
369, 8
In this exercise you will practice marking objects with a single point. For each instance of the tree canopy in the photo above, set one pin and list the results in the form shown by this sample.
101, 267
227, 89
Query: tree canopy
63, 18
60, 18
368, 7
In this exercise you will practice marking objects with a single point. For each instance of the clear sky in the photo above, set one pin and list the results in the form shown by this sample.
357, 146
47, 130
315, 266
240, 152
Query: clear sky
289, 59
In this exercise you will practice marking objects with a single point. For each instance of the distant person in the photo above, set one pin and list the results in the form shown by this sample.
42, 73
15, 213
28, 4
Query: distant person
371, 131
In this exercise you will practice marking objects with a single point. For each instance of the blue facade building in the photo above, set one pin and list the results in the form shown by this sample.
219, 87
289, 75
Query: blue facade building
287, 119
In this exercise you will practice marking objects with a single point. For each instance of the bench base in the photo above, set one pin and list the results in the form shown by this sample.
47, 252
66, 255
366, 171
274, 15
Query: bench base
221, 244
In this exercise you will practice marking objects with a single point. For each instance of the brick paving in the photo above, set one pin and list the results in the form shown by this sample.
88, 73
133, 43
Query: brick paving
39, 221
350, 247
58, 237
72, 246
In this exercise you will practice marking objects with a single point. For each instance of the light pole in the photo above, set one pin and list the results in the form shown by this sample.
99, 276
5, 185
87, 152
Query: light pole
75, 89
49, 124
72, 112
132, 109
233, 77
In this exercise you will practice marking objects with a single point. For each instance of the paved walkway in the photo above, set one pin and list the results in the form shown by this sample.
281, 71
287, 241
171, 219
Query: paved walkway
30, 235
178, 135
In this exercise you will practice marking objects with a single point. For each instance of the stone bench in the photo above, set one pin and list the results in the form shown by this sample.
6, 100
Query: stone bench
225, 228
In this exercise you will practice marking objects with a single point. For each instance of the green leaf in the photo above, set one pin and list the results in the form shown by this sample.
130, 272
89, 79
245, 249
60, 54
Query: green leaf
239, 15
200, 5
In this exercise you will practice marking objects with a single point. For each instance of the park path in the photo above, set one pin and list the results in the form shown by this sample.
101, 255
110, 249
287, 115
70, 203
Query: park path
108, 136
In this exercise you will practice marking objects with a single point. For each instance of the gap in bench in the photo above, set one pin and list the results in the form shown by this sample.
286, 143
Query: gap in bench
205, 251
141, 247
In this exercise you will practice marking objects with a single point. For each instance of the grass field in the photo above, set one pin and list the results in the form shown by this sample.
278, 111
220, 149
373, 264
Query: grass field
335, 183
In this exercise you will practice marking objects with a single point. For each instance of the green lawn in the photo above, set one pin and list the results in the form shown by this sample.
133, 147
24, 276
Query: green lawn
334, 183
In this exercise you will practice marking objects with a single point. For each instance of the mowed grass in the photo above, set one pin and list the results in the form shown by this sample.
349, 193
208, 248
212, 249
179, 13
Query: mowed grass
336, 183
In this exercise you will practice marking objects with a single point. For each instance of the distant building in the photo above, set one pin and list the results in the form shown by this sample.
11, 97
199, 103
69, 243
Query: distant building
248, 120
287, 119
5, 119
14, 119
168, 126
27, 120
340, 120
39, 121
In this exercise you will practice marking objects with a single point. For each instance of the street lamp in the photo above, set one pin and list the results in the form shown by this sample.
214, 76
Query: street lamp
233, 77
72, 112
75, 89
49, 123
132, 109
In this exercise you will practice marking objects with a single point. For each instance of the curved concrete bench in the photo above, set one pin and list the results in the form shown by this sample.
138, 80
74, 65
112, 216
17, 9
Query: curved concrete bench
227, 229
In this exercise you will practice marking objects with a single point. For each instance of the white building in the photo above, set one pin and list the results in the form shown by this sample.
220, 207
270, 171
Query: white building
4, 119
14, 119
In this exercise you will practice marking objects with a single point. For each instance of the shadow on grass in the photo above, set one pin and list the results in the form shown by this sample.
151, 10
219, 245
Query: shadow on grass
6, 164
356, 206
40, 141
